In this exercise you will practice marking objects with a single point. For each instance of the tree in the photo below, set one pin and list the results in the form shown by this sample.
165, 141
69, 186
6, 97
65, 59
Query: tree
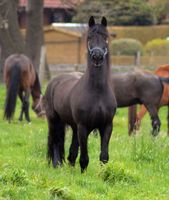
123, 12
34, 33
161, 10
11, 40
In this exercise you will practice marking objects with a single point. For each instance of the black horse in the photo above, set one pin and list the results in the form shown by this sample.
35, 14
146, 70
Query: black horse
85, 104
139, 87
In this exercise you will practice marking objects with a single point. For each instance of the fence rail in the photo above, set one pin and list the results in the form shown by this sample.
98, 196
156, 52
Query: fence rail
119, 64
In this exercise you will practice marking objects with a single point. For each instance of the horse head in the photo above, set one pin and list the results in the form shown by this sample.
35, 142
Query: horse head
97, 41
38, 107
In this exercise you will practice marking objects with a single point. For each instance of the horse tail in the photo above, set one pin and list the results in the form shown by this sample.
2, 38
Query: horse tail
55, 145
164, 80
12, 90
131, 118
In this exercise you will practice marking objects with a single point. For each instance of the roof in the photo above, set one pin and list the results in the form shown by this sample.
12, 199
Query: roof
64, 31
72, 27
54, 3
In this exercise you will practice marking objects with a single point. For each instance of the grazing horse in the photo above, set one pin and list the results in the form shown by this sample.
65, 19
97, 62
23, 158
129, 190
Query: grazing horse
162, 71
84, 103
22, 79
139, 87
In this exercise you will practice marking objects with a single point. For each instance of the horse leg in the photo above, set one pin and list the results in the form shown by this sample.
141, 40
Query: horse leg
83, 136
139, 116
26, 104
105, 134
62, 141
22, 107
56, 135
132, 110
155, 119
73, 151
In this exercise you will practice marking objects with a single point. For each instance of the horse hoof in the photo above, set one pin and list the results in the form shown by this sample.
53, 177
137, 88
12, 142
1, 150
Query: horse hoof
83, 170
72, 164
29, 121
155, 133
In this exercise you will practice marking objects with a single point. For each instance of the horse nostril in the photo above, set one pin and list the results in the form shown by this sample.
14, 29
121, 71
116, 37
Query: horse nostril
101, 57
94, 57
97, 55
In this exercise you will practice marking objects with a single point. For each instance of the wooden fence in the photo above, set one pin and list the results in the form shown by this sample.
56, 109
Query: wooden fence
119, 64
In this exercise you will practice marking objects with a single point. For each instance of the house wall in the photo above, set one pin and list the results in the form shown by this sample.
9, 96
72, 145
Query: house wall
64, 48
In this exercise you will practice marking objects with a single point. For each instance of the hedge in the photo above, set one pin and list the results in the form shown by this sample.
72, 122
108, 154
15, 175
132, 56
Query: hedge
157, 47
125, 46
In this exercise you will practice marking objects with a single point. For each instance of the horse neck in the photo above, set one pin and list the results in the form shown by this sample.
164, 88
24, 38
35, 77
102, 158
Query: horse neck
98, 77
36, 89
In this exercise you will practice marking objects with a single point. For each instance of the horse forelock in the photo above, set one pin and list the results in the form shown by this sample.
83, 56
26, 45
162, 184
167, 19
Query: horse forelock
98, 29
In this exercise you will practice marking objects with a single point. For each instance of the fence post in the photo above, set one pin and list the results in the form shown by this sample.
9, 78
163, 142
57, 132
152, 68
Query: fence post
76, 67
42, 64
137, 59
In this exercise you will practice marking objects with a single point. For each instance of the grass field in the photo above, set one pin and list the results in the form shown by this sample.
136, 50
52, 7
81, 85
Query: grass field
138, 167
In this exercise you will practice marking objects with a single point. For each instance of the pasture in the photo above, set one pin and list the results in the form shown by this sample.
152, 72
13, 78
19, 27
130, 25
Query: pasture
137, 168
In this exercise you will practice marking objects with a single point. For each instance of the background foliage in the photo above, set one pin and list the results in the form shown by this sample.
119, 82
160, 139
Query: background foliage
161, 10
123, 12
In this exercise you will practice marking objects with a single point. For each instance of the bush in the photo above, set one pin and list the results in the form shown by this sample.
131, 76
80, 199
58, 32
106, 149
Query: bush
157, 47
125, 47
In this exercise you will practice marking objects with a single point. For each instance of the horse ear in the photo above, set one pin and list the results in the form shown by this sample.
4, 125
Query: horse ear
91, 21
104, 21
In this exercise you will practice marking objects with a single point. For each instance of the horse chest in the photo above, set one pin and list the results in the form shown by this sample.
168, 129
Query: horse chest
94, 115
98, 114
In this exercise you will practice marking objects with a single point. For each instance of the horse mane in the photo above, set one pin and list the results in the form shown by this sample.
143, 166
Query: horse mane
97, 29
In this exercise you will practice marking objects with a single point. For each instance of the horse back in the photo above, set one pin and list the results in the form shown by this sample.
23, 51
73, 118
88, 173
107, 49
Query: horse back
132, 88
28, 73
27, 70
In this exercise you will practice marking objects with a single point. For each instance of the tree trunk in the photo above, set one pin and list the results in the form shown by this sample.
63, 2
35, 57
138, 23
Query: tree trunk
34, 34
11, 40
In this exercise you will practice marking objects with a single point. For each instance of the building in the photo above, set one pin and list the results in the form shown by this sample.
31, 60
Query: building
54, 11
65, 43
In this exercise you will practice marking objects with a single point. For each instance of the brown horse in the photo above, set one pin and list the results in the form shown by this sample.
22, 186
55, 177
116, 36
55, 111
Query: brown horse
85, 104
162, 71
22, 79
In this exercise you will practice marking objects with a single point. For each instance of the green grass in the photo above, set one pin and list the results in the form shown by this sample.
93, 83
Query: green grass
138, 166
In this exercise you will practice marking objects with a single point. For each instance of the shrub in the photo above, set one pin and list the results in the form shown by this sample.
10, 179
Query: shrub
115, 173
157, 47
125, 47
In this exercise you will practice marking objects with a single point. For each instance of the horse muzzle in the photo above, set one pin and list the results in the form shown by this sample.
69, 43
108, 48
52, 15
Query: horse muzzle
98, 56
